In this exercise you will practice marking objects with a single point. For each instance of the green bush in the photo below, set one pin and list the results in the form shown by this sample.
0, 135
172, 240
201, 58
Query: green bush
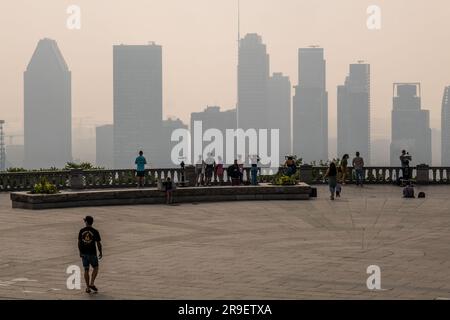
285, 181
44, 187
82, 166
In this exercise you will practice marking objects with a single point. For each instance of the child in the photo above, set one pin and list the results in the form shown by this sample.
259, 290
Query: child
338, 190
169, 189
408, 191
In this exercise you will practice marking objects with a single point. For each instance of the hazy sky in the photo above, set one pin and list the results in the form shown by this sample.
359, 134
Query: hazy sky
199, 39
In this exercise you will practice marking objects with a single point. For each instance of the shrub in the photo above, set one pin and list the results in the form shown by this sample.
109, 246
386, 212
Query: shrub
82, 166
44, 187
285, 181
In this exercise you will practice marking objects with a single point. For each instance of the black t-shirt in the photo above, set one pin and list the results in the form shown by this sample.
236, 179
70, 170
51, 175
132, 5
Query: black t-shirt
234, 171
87, 239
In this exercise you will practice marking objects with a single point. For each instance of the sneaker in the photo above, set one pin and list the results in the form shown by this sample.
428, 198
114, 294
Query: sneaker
88, 290
94, 288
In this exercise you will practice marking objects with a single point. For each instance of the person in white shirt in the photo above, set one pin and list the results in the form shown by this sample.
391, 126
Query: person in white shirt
254, 159
199, 171
209, 170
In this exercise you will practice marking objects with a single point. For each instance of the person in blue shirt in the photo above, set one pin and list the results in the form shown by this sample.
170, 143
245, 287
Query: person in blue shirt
140, 168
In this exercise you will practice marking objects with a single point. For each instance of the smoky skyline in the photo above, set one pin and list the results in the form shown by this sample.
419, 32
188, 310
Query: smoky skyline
199, 43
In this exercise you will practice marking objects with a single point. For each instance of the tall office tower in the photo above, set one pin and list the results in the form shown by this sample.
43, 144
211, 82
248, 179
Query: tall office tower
213, 118
410, 125
104, 146
253, 75
169, 126
47, 108
2, 147
138, 96
310, 107
279, 111
353, 113
445, 128
15, 156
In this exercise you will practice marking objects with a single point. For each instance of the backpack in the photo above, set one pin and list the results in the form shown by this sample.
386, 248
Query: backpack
408, 192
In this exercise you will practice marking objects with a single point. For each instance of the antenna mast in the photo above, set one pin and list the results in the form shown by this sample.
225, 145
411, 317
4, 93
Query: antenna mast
237, 65
239, 20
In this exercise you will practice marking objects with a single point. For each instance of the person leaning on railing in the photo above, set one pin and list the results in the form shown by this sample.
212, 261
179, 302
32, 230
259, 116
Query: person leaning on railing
290, 166
234, 172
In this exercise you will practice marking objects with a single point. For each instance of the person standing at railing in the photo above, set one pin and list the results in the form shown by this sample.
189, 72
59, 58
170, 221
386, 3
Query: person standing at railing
344, 165
358, 166
234, 172
219, 169
241, 168
209, 170
199, 177
140, 163
405, 158
254, 160
290, 166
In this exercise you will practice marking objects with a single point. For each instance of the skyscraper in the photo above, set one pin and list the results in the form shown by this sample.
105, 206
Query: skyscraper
279, 111
2, 147
353, 113
310, 107
47, 108
253, 75
138, 95
410, 125
104, 146
169, 126
445, 128
213, 118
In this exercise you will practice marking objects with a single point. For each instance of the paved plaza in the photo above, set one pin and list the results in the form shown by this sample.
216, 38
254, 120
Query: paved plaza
316, 249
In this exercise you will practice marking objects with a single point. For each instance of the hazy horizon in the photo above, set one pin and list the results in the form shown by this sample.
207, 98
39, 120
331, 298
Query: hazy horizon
199, 41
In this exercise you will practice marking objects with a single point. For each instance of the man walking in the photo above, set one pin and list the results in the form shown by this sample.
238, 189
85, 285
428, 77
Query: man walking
358, 165
88, 242
140, 168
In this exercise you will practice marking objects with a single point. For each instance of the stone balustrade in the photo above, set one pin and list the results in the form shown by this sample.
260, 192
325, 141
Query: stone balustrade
97, 179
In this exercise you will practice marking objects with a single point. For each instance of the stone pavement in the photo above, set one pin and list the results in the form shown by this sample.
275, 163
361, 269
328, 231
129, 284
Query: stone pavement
315, 249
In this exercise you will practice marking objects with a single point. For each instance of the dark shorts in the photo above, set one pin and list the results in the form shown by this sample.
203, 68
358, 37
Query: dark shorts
140, 173
89, 260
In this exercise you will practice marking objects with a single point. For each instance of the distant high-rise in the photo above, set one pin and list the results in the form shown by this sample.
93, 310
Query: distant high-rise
213, 118
2, 147
47, 108
169, 126
445, 128
410, 125
253, 75
15, 156
104, 146
310, 107
279, 111
138, 96
353, 113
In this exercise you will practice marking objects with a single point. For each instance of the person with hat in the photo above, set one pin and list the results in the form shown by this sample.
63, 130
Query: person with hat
88, 241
